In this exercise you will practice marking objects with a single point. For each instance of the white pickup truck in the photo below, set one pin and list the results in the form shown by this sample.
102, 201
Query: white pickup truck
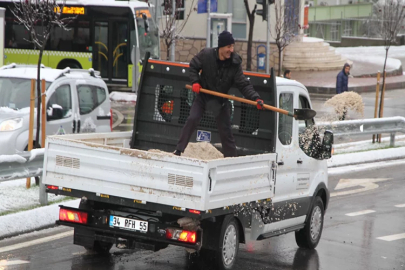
138, 198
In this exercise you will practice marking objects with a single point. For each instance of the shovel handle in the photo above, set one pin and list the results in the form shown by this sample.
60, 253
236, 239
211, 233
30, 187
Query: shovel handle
243, 100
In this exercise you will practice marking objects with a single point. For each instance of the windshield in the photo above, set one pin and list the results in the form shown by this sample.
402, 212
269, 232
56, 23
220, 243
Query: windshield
15, 93
148, 34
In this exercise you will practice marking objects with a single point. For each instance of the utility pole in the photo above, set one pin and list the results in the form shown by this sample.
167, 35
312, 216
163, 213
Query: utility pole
268, 40
173, 47
208, 45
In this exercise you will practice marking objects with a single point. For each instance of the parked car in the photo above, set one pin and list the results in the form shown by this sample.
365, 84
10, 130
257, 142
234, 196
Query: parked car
76, 102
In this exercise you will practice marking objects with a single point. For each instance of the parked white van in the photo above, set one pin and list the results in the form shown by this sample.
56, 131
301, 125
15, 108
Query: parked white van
76, 101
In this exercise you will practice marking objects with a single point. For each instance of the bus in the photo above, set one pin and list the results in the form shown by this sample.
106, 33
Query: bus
101, 35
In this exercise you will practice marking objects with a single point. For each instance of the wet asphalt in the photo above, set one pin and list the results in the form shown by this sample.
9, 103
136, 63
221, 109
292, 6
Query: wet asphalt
350, 238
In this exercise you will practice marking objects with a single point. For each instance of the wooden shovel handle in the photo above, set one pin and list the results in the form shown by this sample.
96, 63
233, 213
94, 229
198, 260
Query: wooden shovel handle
247, 101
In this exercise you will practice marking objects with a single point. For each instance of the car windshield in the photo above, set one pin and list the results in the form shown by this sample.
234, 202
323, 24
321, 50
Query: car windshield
15, 92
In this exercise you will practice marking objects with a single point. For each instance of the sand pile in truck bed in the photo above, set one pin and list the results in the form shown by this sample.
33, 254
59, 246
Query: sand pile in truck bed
201, 150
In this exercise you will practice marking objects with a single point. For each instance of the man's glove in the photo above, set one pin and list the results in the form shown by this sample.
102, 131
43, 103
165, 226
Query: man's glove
259, 104
196, 88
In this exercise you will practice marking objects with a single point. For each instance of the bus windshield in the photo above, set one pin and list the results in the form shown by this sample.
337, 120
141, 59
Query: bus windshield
148, 34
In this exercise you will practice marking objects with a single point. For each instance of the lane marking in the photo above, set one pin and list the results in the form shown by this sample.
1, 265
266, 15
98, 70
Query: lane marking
365, 183
400, 205
364, 212
392, 237
13, 262
36, 241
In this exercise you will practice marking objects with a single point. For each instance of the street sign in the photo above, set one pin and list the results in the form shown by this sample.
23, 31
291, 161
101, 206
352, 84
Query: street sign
202, 6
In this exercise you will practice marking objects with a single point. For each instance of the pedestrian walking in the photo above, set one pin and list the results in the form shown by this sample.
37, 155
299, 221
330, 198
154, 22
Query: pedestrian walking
342, 79
216, 69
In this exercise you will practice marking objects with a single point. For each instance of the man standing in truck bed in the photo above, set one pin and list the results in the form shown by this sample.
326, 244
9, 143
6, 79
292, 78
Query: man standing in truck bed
216, 69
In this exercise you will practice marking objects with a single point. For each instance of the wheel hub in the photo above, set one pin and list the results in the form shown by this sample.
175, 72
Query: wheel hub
316, 222
229, 245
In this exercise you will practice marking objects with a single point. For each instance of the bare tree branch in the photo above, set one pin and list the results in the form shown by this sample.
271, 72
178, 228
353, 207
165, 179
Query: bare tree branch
172, 28
286, 27
39, 17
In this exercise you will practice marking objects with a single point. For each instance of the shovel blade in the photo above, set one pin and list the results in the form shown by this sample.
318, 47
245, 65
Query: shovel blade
304, 114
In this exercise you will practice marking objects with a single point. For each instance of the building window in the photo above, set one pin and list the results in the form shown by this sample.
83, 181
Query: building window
239, 19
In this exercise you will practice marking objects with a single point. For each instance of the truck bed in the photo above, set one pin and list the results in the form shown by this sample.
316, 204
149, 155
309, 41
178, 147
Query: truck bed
103, 163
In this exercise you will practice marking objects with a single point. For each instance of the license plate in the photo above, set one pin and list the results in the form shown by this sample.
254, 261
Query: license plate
129, 224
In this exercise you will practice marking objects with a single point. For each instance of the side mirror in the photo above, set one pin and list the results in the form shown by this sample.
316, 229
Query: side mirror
327, 144
55, 112
146, 22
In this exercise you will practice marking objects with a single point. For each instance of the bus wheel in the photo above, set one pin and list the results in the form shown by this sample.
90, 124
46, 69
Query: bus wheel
72, 64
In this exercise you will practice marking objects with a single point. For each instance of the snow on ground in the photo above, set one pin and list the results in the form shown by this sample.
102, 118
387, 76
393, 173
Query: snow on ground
14, 195
118, 96
374, 55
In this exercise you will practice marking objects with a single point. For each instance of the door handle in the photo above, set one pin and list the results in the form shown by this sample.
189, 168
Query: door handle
299, 161
74, 126
78, 126
280, 163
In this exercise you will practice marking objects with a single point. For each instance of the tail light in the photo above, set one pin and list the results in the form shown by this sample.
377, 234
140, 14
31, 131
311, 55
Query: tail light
73, 216
181, 235
52, 187
111, 120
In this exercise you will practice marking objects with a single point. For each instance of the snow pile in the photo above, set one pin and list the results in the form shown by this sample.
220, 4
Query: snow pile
123, 97
15, 196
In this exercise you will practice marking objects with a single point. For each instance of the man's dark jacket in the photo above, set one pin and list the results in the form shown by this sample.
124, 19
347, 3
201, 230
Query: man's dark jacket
342, 81
220, 79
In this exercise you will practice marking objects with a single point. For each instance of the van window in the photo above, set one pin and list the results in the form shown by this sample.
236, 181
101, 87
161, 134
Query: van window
309, 140
62, 97
90, 97
285, 123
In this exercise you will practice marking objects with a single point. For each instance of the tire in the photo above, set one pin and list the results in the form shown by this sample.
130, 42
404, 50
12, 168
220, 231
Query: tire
70, 64
225, 256
309, 236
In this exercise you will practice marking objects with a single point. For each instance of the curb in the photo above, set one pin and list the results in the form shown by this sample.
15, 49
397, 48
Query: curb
373, 156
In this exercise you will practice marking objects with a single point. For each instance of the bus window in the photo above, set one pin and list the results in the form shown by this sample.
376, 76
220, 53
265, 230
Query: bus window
76, 39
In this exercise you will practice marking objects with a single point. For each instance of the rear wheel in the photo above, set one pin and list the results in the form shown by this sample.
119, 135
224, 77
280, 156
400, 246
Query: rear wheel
309, 236
224, 257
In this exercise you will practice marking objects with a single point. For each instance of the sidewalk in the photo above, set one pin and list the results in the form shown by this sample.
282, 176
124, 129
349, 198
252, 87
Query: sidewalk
364, 80
41, 217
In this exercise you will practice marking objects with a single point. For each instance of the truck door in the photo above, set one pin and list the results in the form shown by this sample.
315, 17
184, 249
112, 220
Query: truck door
61, 95
287, 144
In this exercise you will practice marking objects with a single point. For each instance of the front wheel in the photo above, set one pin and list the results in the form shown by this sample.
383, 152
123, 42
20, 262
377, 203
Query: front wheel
309, 236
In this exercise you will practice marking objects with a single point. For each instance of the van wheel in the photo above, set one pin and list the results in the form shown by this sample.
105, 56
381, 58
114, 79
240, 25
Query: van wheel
224, 257
309, 236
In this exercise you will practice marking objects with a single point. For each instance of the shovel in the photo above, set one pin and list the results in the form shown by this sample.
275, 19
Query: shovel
299, 114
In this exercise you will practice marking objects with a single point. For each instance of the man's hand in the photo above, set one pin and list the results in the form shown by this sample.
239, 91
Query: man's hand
196, 88
259, 104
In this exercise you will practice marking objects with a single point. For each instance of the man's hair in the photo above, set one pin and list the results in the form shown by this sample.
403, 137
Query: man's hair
286, 72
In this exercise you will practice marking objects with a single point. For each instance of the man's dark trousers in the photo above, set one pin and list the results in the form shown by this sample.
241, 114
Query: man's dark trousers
222, 113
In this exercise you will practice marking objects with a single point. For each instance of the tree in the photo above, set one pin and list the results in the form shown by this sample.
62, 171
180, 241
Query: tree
285, 27
251, 17
39, 17
392, 17
171, 26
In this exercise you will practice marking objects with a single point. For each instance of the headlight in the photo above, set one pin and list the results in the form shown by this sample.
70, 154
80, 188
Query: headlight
11, 124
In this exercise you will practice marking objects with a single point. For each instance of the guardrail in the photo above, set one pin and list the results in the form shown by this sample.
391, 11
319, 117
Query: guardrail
23, 165
29, 164
391, 125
